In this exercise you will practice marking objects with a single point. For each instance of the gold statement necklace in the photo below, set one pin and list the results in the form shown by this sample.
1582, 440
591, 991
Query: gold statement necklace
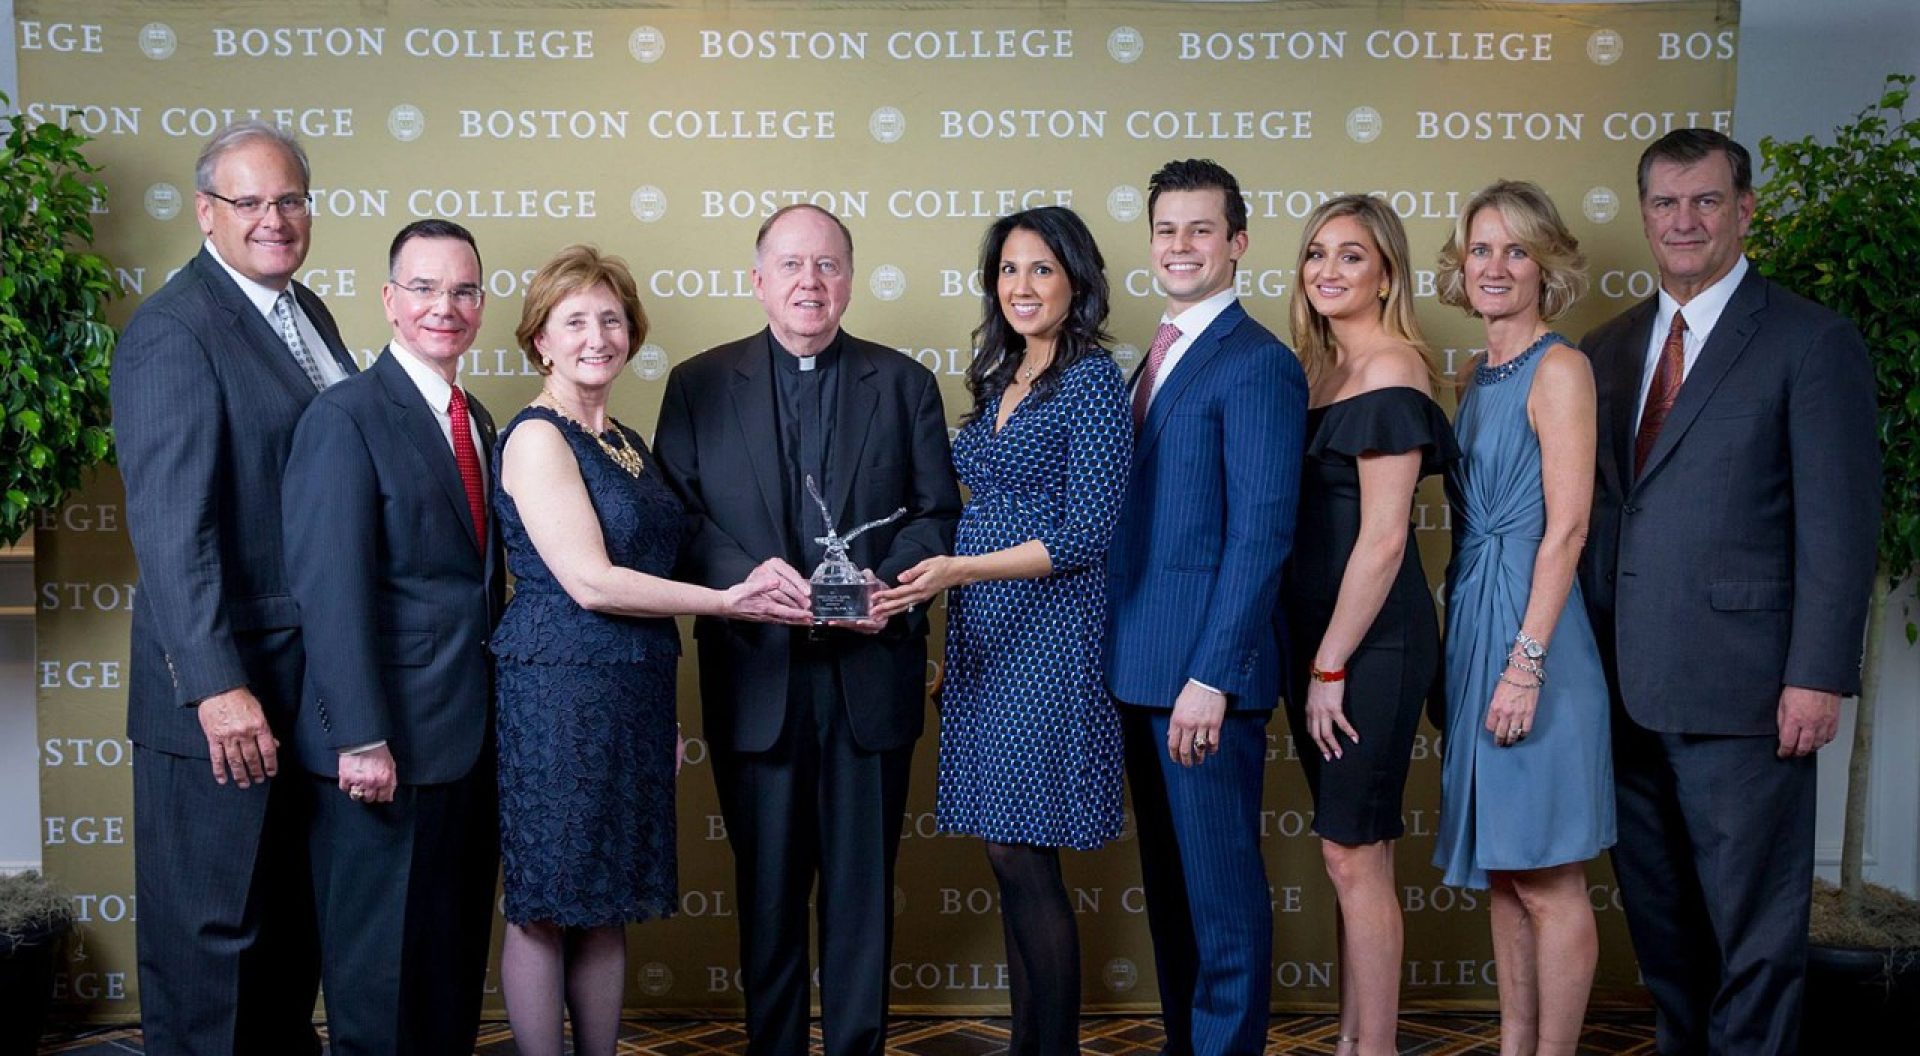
622, 454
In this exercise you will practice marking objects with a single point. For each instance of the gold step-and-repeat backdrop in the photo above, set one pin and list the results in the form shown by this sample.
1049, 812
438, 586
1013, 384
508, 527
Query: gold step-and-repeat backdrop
667, 131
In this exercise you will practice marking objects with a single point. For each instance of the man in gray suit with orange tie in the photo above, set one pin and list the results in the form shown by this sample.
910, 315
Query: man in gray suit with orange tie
210, 377
1727, 573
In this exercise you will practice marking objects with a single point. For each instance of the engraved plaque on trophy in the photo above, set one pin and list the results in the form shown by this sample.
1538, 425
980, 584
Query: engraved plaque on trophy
840, 591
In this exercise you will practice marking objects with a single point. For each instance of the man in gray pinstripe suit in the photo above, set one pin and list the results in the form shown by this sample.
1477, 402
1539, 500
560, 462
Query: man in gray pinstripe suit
209, 379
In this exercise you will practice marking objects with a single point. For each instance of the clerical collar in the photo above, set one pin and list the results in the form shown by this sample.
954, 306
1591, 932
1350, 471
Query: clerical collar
826, 357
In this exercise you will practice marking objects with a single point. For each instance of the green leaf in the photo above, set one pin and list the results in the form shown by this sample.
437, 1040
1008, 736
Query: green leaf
55, 344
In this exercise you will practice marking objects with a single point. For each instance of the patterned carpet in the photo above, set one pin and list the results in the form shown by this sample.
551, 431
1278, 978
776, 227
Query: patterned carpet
1420, 1035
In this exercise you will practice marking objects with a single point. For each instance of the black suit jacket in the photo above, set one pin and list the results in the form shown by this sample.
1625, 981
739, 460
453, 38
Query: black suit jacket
718, 446
396, 601
205, 399
1741, 559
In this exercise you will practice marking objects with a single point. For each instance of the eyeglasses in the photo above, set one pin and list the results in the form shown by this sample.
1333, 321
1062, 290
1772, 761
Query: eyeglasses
464, 296
292, 206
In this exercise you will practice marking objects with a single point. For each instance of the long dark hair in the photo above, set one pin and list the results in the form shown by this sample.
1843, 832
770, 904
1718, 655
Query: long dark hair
1000, 348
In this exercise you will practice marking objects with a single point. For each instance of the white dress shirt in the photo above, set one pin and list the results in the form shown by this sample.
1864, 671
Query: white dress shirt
264, 298
1702, 313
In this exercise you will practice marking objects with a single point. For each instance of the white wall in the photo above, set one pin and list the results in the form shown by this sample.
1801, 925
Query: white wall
1804, 68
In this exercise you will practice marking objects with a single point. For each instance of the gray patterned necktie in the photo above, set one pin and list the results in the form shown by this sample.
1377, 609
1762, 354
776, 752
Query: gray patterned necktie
290, 333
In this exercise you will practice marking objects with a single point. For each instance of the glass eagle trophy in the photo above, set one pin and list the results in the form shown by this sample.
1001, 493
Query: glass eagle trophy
840, 591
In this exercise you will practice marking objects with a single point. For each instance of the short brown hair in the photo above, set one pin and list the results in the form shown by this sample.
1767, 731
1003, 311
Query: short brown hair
1535, 223
573, 270
1690, 146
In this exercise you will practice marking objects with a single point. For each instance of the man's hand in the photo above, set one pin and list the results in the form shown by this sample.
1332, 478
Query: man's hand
370, 773
239, 741
1808, 720
769, 594
1193, 732
793, 589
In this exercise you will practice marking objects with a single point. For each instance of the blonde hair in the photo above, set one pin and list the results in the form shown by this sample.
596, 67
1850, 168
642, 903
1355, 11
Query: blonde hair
1535, 223
572, 270
1312, 333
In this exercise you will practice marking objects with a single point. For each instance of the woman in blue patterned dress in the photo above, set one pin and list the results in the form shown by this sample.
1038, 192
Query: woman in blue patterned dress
585, 661
1527, 775
1029, 739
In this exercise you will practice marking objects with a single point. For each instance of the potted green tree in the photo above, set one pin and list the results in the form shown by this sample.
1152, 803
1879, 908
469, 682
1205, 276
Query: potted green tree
34, 916
55, 343
1840, 223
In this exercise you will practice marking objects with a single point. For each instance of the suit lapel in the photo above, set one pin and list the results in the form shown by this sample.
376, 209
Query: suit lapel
1624, 377
853, 416
415, 420
1192, 363
323, 324
1730, 337
752, 395
251, 329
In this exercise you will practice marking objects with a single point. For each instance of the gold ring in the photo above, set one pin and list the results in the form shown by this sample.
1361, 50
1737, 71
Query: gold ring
356, 793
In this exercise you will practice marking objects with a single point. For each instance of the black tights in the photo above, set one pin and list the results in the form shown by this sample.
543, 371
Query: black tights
1043, 949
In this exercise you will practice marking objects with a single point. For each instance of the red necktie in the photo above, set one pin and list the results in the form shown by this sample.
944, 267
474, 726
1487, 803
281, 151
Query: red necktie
468, 460
1156, 355
1668, 373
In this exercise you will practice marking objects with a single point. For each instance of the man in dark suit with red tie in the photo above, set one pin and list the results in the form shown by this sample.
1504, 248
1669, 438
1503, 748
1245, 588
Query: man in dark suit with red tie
208, 380
398, 573
1727, 572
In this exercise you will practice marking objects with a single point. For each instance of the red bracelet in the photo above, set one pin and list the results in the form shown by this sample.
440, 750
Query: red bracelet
1318, 675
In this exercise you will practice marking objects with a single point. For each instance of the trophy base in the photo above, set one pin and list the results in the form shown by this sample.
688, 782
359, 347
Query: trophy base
839, 601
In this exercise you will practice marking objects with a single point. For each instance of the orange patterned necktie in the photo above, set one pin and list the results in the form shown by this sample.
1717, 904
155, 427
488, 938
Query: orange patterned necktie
1156, 355
1668, 373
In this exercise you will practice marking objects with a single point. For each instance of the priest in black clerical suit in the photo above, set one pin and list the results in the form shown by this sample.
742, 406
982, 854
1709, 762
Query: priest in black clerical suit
811, 729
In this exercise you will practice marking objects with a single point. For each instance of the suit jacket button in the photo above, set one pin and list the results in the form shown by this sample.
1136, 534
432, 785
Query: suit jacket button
1630, 509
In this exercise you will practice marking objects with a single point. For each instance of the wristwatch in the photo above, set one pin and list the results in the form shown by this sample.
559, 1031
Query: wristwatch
1529, 646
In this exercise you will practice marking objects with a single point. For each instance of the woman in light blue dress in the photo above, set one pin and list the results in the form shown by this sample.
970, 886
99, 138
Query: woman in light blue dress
1527, 778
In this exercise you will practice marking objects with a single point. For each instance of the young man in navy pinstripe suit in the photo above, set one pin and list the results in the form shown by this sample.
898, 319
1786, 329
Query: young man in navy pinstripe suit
1194, 650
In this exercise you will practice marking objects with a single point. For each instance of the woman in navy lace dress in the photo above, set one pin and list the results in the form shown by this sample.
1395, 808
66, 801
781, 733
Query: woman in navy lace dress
585, 658
1029, 739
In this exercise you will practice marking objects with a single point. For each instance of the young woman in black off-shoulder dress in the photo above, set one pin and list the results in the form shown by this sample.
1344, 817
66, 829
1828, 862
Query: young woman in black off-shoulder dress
1366, 642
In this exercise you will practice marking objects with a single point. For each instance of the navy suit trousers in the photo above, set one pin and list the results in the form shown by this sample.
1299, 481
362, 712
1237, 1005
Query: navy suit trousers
1208, 905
